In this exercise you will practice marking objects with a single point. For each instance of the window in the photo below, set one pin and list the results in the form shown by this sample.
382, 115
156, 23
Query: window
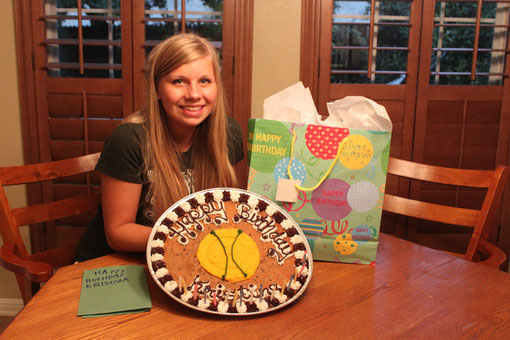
369, 41
83, 41
469, 43
169, 17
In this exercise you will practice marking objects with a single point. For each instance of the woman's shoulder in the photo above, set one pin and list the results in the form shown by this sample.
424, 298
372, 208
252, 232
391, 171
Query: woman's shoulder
127, 134
122, 157
235, 140
129, 130
233, 127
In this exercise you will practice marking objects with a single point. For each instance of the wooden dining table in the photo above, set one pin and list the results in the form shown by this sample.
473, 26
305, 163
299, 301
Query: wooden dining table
412, 292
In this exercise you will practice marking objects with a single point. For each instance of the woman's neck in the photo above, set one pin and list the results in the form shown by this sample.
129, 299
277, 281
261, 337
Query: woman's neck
183, 138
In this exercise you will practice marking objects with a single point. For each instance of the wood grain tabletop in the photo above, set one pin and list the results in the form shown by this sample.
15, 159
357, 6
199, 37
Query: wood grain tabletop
412, 292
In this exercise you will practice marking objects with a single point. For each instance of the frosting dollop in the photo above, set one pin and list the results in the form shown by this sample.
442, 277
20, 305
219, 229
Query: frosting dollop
222, 307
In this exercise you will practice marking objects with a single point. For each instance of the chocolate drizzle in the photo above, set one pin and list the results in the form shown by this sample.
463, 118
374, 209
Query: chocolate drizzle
251, 307
262, 205
194, 302
289, 292
193, 203
291, 232
164, 279
226, 196
272, 302
243, 198
298, 262
160, 236
158, 265
157, 250
209, 197
180, 211
299, 246
279, 217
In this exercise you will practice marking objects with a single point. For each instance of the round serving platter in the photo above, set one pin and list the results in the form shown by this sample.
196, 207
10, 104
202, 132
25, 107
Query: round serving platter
197, 297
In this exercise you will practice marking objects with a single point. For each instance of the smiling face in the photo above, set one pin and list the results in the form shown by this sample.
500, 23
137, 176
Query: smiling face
188, 95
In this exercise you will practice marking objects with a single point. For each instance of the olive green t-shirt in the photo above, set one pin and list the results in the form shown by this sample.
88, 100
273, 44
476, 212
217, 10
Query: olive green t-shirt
122, 159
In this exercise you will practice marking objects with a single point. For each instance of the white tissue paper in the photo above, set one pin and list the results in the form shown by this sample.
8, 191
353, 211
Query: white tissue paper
295, 104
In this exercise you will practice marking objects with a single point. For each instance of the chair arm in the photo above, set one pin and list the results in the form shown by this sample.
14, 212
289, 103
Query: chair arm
32, 270
495, 256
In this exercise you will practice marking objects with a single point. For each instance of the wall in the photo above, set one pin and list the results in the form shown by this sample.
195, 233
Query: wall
11, 152
276, 49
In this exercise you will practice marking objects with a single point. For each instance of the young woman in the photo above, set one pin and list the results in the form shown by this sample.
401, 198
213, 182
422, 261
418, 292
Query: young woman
183, 141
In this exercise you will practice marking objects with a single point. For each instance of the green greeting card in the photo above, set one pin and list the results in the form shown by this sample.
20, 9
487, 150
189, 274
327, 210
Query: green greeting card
114, 290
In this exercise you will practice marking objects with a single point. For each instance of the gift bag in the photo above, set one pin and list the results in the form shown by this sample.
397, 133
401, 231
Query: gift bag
331, 178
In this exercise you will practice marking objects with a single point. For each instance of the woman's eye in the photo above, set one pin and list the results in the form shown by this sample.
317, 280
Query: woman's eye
205, 81
177, 81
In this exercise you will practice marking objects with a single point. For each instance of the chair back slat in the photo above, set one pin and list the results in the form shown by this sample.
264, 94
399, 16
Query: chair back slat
430, 211
481, 221
438, 174
56, 210
25, 174
488, 215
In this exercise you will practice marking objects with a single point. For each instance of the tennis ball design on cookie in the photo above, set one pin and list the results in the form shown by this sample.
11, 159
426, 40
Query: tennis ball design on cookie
345, 245
323, 141
216, 254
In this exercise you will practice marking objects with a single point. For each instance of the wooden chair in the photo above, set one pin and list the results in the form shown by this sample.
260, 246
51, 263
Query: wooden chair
33, 269
480, 222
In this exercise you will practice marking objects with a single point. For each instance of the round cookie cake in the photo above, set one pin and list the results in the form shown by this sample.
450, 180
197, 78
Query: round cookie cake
229, 251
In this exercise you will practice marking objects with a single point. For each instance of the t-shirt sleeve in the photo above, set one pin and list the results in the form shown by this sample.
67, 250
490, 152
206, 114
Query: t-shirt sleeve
235, 141
121, 157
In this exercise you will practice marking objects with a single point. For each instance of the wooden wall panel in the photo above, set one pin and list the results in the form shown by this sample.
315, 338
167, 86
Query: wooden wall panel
61, 149
71, 105
73, 128
461, 129
66, 235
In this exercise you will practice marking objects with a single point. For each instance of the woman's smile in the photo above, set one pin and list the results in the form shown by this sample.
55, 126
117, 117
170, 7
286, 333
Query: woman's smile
192, 110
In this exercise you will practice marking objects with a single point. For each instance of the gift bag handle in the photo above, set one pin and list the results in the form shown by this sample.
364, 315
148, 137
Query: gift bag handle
340, 148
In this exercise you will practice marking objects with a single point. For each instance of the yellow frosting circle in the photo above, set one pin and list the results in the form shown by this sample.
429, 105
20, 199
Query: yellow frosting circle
211, 254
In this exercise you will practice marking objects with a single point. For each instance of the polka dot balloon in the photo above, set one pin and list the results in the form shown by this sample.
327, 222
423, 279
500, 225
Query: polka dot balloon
297, 169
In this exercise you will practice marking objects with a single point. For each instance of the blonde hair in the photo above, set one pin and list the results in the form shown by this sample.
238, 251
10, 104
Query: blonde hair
210, 164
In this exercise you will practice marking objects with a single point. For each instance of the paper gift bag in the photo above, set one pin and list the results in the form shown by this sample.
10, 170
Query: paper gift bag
341, 216
336, 168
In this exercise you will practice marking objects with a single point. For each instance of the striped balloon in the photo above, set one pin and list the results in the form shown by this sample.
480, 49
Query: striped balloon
312, 228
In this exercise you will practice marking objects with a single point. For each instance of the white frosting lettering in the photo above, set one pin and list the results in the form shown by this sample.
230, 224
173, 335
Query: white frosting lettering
267, 228
193, 219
